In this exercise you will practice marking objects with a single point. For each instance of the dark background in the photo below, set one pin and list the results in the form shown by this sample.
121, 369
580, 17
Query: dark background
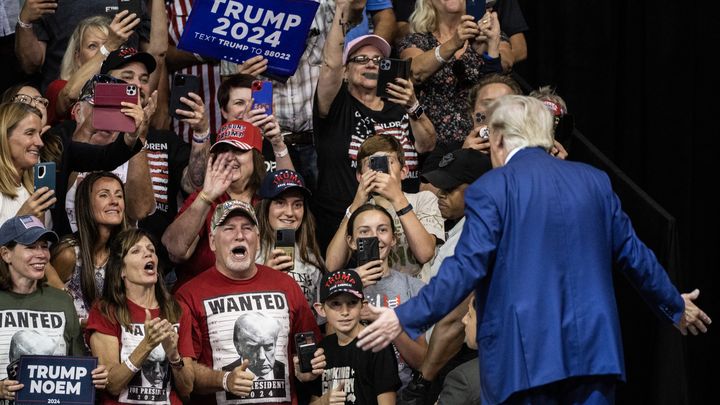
638, 77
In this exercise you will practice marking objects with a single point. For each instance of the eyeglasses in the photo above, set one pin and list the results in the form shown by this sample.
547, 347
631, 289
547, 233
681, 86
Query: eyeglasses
363, 60
27, 99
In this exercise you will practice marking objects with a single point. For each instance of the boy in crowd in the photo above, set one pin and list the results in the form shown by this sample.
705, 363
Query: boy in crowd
351, 374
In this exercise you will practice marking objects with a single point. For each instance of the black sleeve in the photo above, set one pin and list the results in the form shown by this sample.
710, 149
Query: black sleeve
84, 157
385, 371
403, 9
511, 17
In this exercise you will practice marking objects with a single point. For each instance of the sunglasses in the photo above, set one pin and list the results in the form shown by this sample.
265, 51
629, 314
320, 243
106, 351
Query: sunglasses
363, 60
27, 99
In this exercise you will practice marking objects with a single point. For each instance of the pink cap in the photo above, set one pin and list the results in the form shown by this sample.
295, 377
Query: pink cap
359, 42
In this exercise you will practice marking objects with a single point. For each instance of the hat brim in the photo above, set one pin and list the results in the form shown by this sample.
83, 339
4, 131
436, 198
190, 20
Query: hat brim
35, 234
142, 57
234, 144
368, 40
354, 293
304, 190
441, 179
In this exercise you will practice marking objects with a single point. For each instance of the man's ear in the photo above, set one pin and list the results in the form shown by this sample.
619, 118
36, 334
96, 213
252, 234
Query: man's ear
319, 308
212, 241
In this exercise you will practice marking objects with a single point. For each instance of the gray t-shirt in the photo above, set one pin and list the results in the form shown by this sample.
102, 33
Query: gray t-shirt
391, 291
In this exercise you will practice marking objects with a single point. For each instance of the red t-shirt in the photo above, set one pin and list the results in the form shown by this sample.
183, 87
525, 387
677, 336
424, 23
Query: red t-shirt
52, 93
153, 383
203, 257
270, 308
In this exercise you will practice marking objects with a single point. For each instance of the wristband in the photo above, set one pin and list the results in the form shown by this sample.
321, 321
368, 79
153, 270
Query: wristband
439, 57
200, 137
282, 153
225, 378
129, 364
199, 58
413, 108
348, 213
23, 24
104, 51
404, 211
204, 198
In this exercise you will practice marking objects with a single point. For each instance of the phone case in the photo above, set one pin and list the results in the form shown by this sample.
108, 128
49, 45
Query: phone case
389, 69
305, 347
106, 112
262, 95
475, 8
368, 249
181, 87
285, 240
379, 164
44, 176
133, 6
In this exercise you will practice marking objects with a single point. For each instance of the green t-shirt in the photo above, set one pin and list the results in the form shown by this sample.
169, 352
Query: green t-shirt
43, 322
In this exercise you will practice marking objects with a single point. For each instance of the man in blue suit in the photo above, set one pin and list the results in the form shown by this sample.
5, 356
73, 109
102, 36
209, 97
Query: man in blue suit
541, 238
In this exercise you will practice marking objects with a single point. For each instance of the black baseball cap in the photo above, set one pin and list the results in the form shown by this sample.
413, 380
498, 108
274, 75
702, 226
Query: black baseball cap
341, 281
25, 230
458, 167
279, 181
123, 56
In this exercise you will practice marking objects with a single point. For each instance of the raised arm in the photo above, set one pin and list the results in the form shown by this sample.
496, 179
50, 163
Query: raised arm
403, 93
332, 68
30, 50
426, 63
385, 24
158, 45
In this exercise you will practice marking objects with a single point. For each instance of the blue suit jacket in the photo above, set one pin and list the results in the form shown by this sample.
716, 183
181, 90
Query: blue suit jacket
539, 244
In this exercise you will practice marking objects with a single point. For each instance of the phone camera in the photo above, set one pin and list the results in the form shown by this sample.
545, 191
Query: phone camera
257, 85
384, 64
41, 171
131, 90
180, 80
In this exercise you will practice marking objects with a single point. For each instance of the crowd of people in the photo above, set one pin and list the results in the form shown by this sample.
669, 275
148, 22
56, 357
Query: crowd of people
439, 224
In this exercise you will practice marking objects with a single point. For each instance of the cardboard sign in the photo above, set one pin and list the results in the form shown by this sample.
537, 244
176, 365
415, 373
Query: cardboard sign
236, 30
56, 380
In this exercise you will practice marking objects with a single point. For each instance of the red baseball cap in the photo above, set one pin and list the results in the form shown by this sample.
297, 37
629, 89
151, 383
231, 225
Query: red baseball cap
239, 134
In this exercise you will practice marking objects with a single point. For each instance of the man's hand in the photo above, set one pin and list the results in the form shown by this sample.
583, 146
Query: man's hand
33, 10
693, 319
318, 366
382, 331
240, 381
196, 117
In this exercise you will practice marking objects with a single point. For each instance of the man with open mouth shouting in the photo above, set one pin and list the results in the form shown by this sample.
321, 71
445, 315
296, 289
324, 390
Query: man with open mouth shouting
238, 288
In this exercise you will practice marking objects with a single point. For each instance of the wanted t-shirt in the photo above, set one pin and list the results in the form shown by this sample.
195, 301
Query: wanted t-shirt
153, 383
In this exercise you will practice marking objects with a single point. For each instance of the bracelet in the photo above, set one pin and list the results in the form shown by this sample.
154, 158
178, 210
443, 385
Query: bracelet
200, 137
104, 51
404, 211
204, 197
413, 108
348, 213
24, 24
198, 57
131, 366
439, 57
225, 378
282, 153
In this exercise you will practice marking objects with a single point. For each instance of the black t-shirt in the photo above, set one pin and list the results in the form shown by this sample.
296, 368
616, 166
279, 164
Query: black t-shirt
167, 157
337, 139
365, 374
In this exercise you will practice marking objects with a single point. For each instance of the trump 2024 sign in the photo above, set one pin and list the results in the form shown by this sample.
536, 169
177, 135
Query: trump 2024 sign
236, 30
56, 380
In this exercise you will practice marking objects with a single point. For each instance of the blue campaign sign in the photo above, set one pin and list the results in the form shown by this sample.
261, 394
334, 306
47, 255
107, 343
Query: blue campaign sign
236, 30
56, 380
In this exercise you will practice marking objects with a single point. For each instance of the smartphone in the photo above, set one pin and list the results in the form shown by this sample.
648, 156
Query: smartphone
182, 86
490, 5
106, 111
44, 176
132, 6
389, 70
285, 240
475, 8
379, 164
12, 370
305, 347
368, 249
262, 94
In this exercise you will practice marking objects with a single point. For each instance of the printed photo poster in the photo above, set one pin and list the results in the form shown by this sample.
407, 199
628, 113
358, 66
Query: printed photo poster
253, 326
237, 30
30, 332
152, 384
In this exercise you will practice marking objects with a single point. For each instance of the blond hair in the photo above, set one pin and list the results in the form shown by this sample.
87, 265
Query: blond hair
69, 64
10, 115
424, 18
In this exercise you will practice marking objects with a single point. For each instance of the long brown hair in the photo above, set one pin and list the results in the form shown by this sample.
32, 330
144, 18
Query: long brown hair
113, 304
89, 232
305, 234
